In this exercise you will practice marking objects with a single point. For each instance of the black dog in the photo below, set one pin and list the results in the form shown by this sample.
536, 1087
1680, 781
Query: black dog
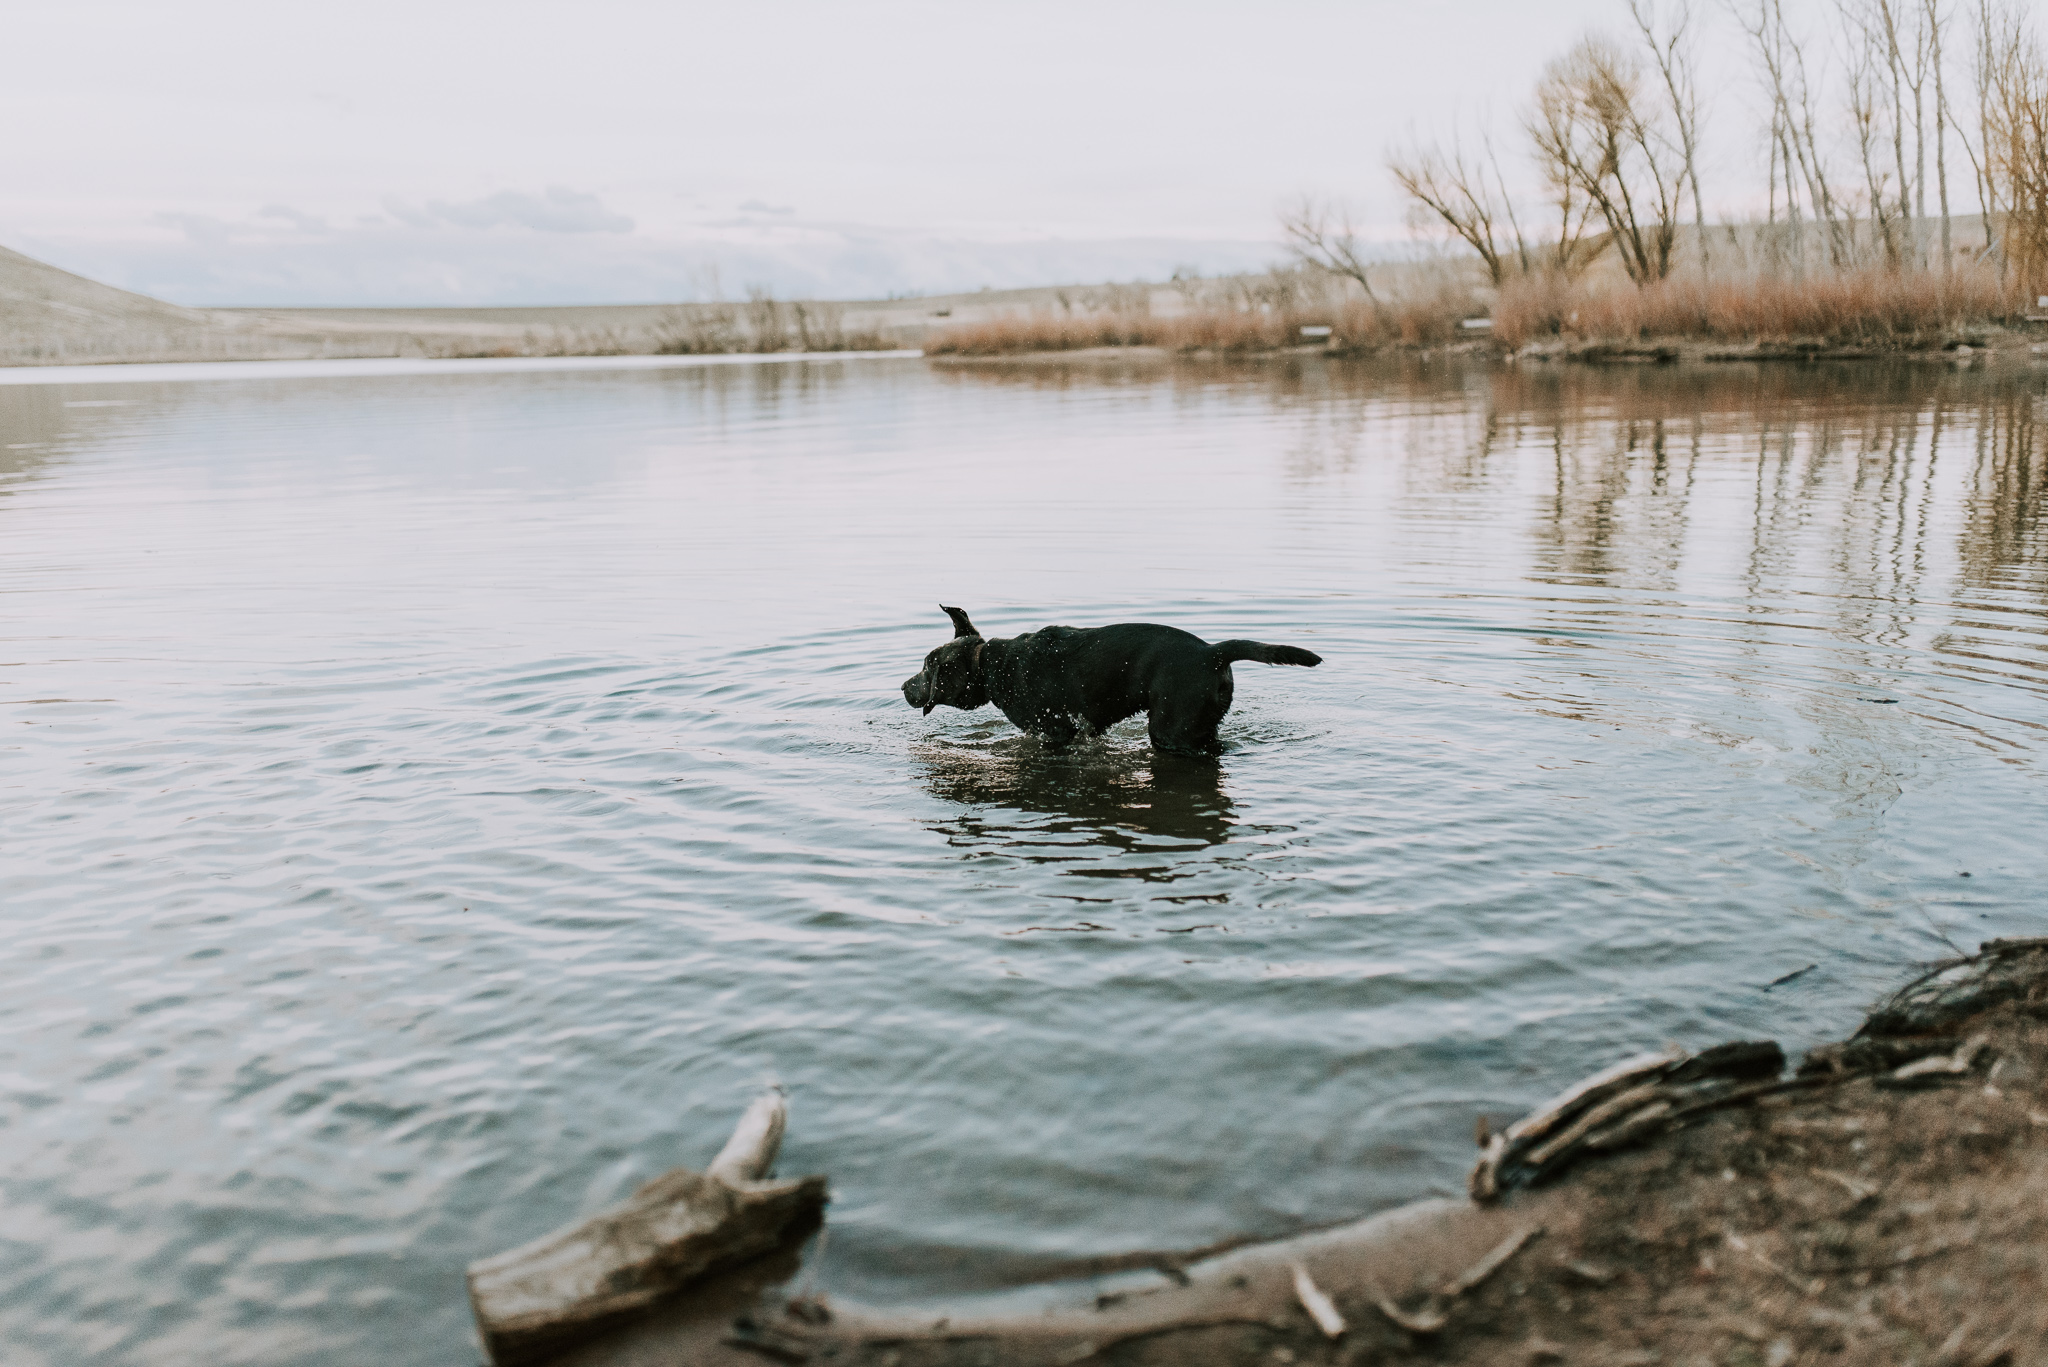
1062, 682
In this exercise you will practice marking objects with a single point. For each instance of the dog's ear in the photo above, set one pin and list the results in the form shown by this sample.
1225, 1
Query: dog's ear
961, 626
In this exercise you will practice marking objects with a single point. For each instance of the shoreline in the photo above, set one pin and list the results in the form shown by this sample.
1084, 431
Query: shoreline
370, 367
1884, 1202
2018, 349
1651, 352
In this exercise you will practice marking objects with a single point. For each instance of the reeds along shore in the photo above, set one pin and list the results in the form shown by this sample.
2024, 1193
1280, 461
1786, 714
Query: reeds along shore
762, 324
1871, 308
1236, 315
1353, 325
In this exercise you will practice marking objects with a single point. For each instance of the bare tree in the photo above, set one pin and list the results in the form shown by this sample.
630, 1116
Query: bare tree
2015, 97
1323, 236
1468, 196
1677, 64
1783, 59
1934, 19
1573, 249
1908, 73
1987, 47
1593, 134
1461, 195
1866, 119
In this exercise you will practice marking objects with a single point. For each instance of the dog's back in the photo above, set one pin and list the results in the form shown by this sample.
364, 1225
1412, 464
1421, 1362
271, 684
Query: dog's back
1066, 680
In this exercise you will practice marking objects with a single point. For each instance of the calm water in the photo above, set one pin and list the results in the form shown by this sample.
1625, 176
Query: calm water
430, 805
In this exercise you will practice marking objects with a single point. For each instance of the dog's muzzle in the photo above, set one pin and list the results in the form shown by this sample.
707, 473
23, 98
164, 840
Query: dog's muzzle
917, 691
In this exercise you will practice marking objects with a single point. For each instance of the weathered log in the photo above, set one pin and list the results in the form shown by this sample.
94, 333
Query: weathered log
1504, 1162
1621, 1077
540, 1297
1742, 1060
1623, 1105
750, 1153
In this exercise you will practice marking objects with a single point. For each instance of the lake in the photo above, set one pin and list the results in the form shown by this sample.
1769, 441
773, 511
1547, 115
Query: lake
436, 802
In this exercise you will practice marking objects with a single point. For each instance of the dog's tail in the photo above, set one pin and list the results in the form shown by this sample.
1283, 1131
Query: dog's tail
1229, 652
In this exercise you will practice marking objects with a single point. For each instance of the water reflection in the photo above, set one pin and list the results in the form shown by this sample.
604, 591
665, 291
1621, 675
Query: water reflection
36, 427
1624, 446
1875, 442
2008, 501
1048, 806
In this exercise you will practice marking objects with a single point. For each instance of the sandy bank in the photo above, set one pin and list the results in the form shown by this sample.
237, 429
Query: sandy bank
1885, 1202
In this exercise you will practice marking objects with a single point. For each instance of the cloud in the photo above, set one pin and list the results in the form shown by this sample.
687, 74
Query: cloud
558, 209
406, 214
204, 230
755, 206
304, 222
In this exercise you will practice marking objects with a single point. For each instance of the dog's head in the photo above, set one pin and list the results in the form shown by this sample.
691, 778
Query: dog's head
952, 673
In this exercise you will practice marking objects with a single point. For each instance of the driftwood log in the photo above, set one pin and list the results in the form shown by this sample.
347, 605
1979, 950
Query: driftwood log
541, 1297
1419, 1262
1625, 1105
1907, 1043
1407, 1271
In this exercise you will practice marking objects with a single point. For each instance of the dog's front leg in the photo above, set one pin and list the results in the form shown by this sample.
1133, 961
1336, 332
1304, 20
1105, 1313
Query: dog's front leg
1056, 730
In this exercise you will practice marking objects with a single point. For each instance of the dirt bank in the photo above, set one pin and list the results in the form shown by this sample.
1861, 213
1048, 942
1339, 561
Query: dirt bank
1971, 346
1884, 1202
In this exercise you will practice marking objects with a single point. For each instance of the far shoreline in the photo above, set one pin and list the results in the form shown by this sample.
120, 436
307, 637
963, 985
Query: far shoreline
2009, 350
372, 367
51, 319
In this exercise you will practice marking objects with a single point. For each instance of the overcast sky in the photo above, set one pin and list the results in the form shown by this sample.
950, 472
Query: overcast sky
214, 152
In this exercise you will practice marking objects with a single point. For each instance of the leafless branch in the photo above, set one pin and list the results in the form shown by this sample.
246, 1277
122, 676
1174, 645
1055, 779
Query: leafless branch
1324, 237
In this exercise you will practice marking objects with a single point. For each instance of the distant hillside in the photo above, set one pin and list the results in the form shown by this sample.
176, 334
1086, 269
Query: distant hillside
52, 315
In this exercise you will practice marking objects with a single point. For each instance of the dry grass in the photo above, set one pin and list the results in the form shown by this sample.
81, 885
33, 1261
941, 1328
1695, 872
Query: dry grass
762, 324
1426, 319
1871, 307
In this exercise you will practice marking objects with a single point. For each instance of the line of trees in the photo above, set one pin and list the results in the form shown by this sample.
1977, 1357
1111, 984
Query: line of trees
1859, 130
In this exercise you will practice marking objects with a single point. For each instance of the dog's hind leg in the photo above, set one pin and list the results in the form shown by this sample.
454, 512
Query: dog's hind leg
1185, 715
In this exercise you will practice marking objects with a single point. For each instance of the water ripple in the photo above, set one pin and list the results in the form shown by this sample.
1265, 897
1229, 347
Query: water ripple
435, 802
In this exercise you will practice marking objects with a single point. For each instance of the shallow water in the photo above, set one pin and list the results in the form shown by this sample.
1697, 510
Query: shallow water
434, 804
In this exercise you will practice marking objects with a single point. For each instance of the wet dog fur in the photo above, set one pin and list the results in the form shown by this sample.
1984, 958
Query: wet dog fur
1061, 683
